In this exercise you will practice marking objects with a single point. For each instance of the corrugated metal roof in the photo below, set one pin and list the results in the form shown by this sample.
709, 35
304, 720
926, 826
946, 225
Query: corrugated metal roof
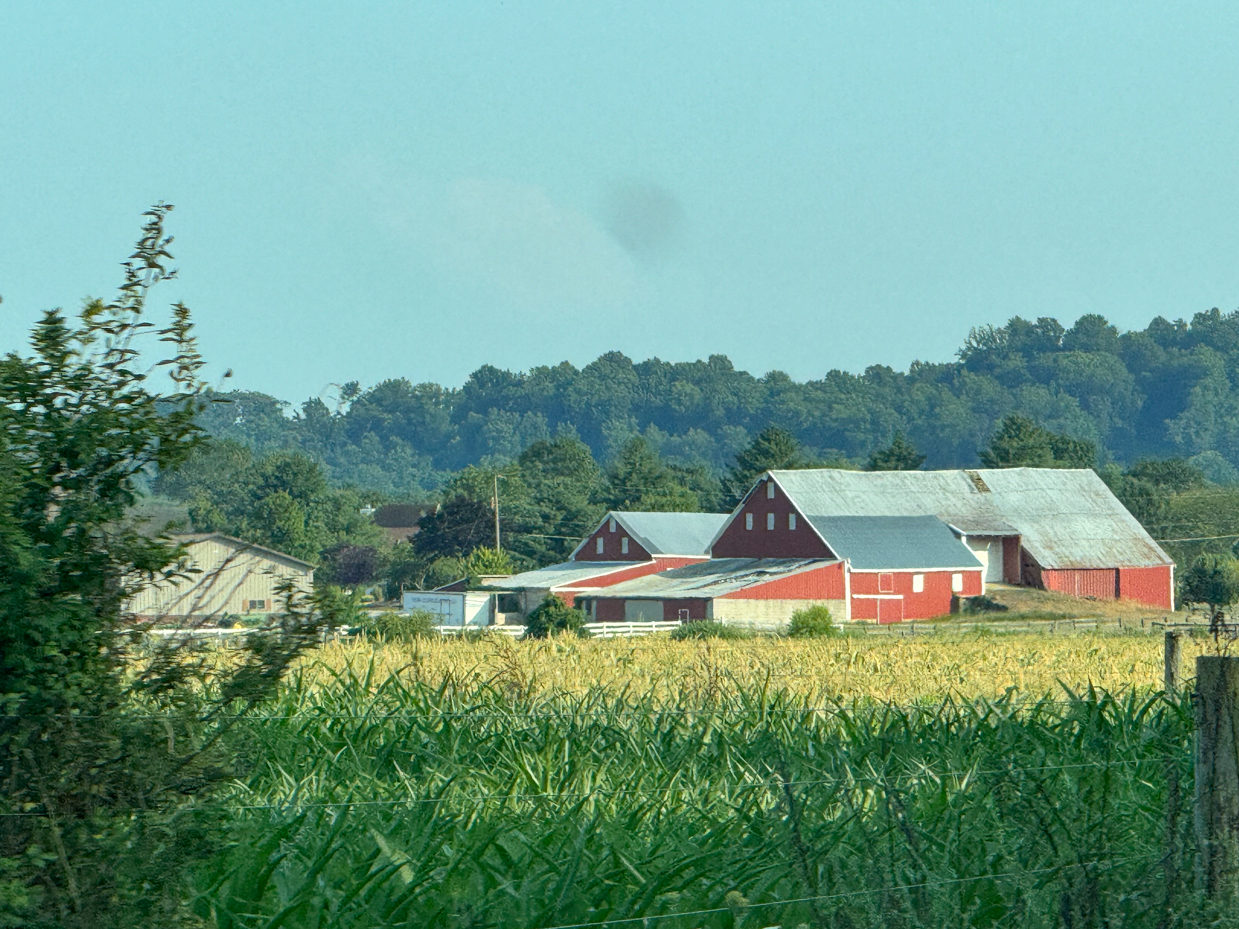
894, 543
712, 578
672, 533
564, 575
1066, 518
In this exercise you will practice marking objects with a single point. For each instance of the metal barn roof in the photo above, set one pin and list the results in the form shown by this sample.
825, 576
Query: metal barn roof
1065, 518
895, 543
563, 575
712, 578
668, 533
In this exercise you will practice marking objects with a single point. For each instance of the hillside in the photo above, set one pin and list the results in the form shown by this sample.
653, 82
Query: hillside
1166, 390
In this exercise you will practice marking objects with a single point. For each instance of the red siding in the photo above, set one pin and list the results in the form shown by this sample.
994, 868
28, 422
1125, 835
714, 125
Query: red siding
608, 611
825, 583
696, 609
1099, 583
760, 542
934, 600
1150, 586
611, 546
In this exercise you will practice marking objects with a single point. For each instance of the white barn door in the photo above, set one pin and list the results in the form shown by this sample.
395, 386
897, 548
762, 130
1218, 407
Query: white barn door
989, 552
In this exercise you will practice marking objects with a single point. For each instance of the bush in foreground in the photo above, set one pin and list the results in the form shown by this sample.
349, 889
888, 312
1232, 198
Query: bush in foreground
813, 622
402, 627
709, 629
553, 616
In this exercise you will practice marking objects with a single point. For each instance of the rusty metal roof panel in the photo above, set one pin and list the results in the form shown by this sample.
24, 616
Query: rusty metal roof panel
1065, 518
706, 579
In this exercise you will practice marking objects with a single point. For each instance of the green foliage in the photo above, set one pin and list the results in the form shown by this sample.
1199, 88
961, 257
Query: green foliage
900, 455
551, 617
281, 500
638, 480
812, 622
1155, 393
1213, 581
982, 604
773, 449
709, 629
391, 626
487, 561
108, 745
759, 809
1021, 443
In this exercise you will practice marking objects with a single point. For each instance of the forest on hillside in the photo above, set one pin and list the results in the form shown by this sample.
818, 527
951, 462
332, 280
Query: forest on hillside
1168, 390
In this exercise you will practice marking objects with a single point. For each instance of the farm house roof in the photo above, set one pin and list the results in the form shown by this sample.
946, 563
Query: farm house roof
713, 578
668, 533
894, 543
567, 574
1065, 518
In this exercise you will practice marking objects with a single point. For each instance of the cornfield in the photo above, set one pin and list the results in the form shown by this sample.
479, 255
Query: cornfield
984, 782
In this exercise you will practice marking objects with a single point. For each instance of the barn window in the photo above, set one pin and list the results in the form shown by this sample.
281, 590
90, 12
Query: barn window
918, 583
612, 524
624, 545
957, 583
598, 543
886, 583
791, 520
748, 520
257, 605
769, 490
769, 520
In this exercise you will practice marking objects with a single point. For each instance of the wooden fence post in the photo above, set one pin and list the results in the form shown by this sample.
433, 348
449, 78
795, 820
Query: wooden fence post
1217, 776
1174, 660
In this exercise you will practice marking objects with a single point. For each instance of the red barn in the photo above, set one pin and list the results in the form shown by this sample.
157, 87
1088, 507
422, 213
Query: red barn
1058, 529
884, 569
625, 545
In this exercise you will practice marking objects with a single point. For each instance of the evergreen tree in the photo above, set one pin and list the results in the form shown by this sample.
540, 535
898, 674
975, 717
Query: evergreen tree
773, 449
638, 480
1022, 443
900, 455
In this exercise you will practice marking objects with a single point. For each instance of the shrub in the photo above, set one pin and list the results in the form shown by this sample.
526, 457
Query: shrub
402, 627
709, 629
981, 604
552, 616
812, 622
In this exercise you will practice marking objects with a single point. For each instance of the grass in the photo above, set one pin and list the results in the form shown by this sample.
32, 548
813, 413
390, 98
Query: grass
983, 781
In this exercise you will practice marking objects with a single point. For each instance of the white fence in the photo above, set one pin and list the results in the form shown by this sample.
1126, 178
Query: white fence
514, 631
610, 630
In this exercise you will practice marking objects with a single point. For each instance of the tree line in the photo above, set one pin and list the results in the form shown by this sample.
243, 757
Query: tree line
1167, 390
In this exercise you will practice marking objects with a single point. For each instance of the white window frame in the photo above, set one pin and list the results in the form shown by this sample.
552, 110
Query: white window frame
600, 542
791, 521
957, 583
886, 578
769, 521
612, 524
918, 583
624, 545
769, 490
748, 520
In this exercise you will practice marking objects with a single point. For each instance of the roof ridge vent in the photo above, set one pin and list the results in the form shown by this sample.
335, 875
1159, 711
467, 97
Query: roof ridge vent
978, 482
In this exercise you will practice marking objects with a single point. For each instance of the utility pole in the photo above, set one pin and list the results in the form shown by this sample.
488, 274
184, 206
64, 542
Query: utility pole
1217, 777
497, 512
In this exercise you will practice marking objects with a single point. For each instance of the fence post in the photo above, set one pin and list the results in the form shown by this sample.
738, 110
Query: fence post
1174, 660
1217, 776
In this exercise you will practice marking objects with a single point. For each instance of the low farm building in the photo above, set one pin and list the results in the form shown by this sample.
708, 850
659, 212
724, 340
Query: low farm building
1057, 529
884, 569
625, 545
227, 578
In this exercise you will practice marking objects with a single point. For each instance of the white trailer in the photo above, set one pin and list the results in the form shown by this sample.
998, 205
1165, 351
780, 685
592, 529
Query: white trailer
450, 608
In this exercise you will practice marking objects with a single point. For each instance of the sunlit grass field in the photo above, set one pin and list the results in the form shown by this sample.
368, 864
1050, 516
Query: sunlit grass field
985, 781
848, 668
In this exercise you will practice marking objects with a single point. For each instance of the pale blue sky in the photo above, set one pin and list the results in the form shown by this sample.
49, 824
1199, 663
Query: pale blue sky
414, 189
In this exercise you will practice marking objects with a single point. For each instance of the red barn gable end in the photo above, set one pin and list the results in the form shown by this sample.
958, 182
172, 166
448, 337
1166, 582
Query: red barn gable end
767, 524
